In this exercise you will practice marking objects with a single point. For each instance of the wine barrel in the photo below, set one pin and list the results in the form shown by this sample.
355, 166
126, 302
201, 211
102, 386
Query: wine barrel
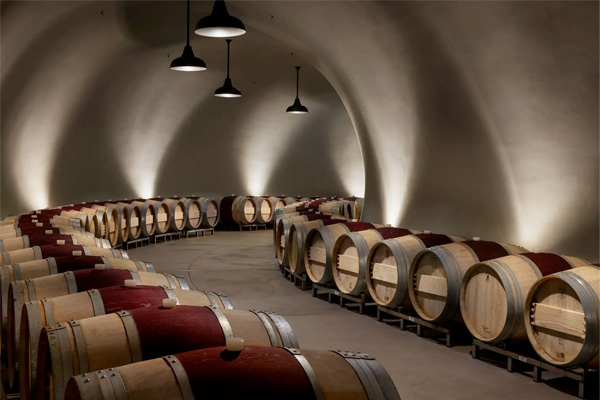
318, 248
92, 220
435, 275
122, 226
36, 315
289, 200
113, 222
264, 210
39, 252
163, 215
12, 232
266, 373
126, 337
350, 253
27, 241
283, 233
193, 212
57, 265
492, 294
133, 219
388, 264
71, 282
562, 317
276, 203
297, 238
148, 219
37, 228
210, 213
178, 217
237, 210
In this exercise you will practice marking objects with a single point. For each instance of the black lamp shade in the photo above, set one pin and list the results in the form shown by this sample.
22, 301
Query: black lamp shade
227, 90
188, 61
297, 108
219, 23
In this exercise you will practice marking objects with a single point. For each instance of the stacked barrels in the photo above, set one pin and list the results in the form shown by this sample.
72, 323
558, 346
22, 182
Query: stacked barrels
113, 221
83, 322
499, 292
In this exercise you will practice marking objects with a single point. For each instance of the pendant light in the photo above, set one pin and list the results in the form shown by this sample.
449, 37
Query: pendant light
188, 61
227, 90
297, 108
219, 23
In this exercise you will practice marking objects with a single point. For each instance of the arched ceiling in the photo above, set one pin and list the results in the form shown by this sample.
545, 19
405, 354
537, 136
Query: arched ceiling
470, 118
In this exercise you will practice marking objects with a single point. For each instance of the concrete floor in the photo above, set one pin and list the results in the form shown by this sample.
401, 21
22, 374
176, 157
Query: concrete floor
242, 265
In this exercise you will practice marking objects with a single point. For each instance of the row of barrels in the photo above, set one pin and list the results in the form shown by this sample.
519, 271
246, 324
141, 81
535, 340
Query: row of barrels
501, 292
83, 322
246, 210
115, 222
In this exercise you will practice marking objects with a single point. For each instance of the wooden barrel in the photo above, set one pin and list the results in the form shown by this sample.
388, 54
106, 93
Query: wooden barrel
39, 252
350, 253
148, 220
57, 265
266, 373
435, 275
283, 233
210, 213
87, 304
122, 226
276, 203
38, 227
113, 222
237, 210
133, 219
92, 221
318, 248
71, 282
562, 317
492, 294
177, 214
289, 200
297, 238
264, 210
389, 262
27, 241
163, 216
193, 212
126, 337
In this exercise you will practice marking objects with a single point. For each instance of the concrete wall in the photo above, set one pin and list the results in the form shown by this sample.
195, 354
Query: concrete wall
473, 118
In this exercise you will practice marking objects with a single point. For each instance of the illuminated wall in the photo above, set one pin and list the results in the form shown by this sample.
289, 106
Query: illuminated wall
469, 118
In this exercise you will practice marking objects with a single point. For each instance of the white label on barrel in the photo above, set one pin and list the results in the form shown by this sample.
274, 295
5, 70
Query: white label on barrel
39, 224
76, 253
521, 358
411, 319
100, 267
476, 238
48, 232
169, 303
130, 282
60, 242
427, 232
38, 212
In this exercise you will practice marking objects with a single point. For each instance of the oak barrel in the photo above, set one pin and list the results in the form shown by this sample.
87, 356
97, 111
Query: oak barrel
350, 253
39, 252
266, 373
56, 265
177, 214
28, 241
92, 303
264, 210
237, 210
163, 215
133, 219
435, 275
389, 262
126, 337
562, 314
318, 248
210, 212
297, 238
122, 226
148, 218
493, 293
193, 213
